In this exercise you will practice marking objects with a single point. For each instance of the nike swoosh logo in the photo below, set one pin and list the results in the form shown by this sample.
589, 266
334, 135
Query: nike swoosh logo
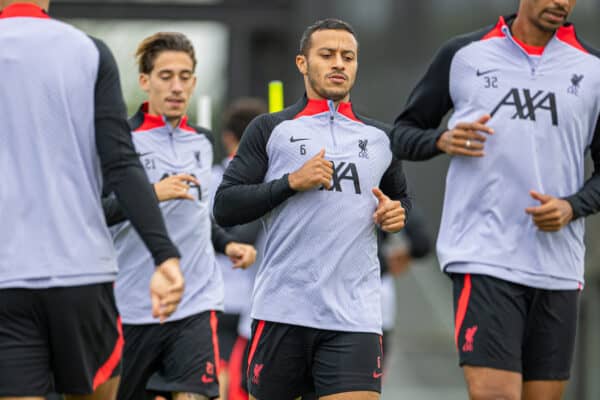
377, 375
206, 379
292, 140
144, 154
480, 73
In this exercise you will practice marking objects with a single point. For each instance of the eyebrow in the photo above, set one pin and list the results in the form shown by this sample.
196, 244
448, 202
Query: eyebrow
334, 50
167, 70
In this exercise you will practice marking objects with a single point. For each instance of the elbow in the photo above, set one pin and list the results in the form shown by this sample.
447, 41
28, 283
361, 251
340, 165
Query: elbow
220, 212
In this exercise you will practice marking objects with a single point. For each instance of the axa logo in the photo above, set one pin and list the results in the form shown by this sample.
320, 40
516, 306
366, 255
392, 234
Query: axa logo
529, 105
344, 171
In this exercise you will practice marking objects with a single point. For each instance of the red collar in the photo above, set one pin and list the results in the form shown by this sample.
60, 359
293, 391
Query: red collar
152, 121
23, 10
316, 106
565, 34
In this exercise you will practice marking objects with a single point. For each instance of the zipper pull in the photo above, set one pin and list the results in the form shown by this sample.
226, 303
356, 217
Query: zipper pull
332, 109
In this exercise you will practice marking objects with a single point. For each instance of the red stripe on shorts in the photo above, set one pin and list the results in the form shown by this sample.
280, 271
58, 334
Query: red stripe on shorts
214, 323
236, 391
463, 304
255, 339
106, 370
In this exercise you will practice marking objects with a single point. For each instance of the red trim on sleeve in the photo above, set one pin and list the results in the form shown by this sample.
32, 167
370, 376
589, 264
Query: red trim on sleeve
566, 34
214, 324
497, 31
463, 304
23, 10
255, 340
106, 370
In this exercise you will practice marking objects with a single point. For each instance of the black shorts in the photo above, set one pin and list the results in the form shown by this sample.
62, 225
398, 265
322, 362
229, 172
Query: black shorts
287, 361
507, 326
64, 339
180, 356
228, 334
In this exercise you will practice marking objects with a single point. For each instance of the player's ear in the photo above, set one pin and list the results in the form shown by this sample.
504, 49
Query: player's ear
144, 82
302, 64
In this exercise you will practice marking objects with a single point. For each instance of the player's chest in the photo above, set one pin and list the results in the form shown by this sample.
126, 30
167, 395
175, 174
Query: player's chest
526, 88
359, 156
166, 155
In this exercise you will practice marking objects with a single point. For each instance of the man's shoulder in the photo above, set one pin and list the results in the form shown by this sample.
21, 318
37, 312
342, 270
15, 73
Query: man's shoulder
454, 44
200, 131
374, 123
269, 121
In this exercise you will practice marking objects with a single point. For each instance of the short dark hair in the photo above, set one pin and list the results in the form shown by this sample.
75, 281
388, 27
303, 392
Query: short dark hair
152, 46
321, 25
239, 114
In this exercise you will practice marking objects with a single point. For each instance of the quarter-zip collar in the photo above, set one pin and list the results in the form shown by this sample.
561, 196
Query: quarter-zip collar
23, 10
151, 121
318, 106
565, 34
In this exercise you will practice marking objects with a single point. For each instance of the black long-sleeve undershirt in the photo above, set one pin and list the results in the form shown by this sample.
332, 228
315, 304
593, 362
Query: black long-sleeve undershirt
123, 174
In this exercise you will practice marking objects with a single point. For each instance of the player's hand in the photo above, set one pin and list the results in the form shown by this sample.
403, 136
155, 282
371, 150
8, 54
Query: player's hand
166, 288
465, 138
390, 215
398, 261
314, 173
175, 187
552, 214
241, 255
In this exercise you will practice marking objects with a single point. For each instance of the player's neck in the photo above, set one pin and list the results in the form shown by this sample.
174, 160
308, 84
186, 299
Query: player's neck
40, 3
529, 33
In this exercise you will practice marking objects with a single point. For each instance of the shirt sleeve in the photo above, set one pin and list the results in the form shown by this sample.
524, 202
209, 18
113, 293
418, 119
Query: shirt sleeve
220, 237
587, 200
121, 168
243, 196
393, 184
417, 128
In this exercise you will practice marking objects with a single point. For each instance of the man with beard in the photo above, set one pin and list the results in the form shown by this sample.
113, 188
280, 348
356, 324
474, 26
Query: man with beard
512, 229
322, 178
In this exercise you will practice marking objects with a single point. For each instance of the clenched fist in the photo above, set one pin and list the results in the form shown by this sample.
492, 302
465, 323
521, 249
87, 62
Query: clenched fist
314, 173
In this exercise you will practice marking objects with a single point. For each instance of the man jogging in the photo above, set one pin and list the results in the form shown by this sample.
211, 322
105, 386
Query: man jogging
63, 134
323, 178
179, 358
526, 100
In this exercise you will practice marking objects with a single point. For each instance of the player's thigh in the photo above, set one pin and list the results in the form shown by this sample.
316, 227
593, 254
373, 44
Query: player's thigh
189, 396
544, 390
347, 362
24, 348
22, 398
490, 319
106, 391
86, 337
279, 361
489, 383
550, 336
352, 396
190, 357
141, 358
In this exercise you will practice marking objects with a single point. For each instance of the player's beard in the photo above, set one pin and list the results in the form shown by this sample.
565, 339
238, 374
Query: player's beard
335, 95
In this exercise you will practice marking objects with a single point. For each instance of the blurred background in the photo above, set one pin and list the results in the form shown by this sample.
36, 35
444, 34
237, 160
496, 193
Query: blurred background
243, 44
